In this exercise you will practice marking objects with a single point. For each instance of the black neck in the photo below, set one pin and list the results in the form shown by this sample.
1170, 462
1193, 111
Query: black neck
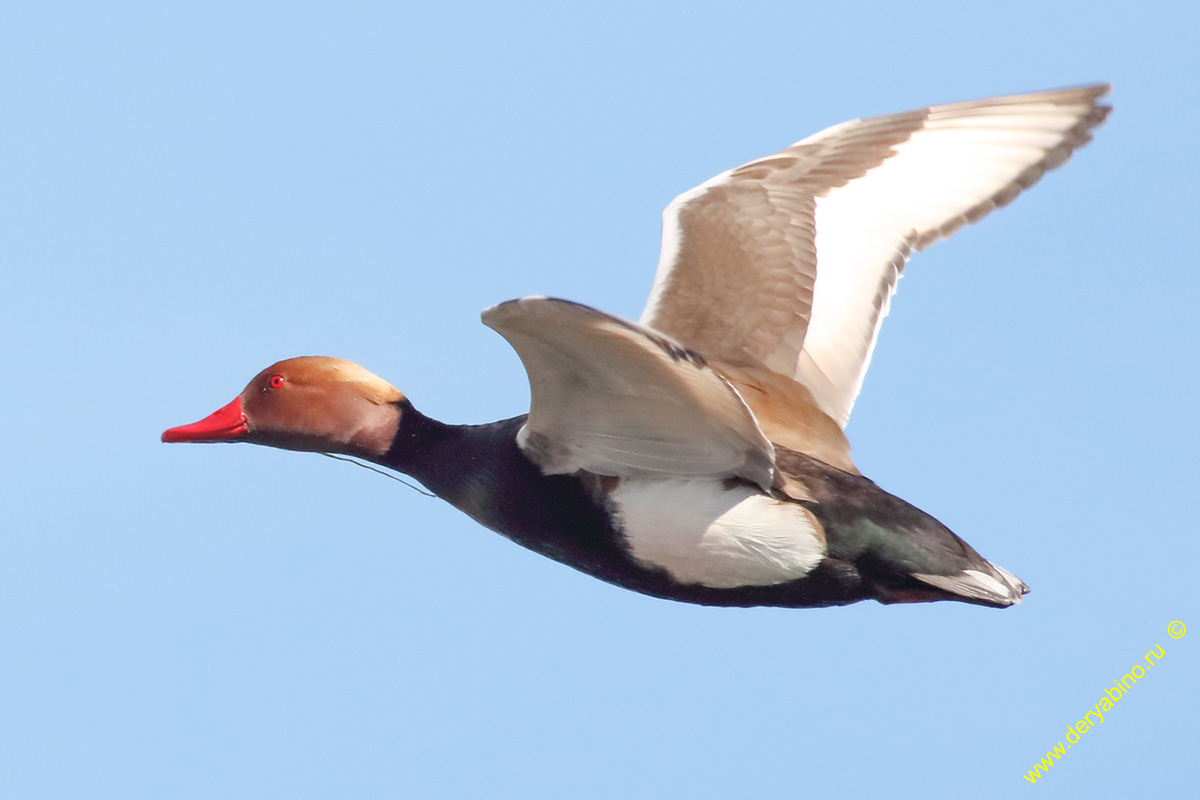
481, 470
448, 459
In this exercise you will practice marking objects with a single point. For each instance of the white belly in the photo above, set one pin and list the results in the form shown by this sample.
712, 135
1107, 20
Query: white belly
703, 533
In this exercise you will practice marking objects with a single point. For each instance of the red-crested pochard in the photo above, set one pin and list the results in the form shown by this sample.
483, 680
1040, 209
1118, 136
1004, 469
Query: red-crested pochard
699, 454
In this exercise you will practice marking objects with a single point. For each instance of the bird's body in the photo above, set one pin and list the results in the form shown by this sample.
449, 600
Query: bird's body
649, 534
699, 455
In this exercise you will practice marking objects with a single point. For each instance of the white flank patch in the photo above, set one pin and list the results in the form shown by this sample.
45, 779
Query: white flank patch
702, 533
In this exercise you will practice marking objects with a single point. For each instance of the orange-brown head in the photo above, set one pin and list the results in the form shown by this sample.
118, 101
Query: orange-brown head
313, 403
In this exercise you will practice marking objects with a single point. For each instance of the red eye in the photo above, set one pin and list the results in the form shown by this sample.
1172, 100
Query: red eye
276, 381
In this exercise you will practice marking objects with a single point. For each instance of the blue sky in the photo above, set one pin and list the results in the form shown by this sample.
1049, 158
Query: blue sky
193, 191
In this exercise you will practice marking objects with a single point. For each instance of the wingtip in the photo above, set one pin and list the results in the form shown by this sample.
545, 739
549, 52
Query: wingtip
525, 307
499, 311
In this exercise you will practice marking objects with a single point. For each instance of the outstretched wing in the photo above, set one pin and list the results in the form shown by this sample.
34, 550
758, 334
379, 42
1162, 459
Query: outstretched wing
789, 261
613, 398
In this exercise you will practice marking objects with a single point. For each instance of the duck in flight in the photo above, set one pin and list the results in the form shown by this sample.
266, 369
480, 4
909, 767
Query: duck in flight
699, 454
